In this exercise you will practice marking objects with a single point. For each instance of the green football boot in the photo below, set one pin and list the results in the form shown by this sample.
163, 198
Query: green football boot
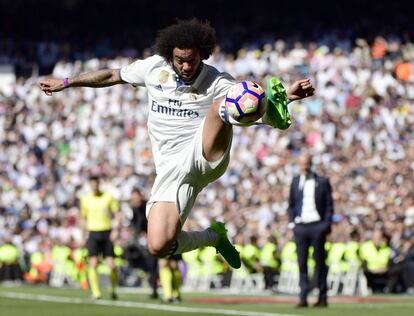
277, 114
224, 246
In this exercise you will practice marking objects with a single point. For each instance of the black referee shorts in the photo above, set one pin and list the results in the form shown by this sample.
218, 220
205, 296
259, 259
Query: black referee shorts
177, 257
99, 243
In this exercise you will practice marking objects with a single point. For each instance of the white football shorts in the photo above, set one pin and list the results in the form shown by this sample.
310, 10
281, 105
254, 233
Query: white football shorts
186, 175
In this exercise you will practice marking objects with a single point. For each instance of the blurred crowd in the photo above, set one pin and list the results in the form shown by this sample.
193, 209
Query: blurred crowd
79, 30
359, 127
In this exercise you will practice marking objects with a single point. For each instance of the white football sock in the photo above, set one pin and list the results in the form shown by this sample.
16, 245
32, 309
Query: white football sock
223, 112
188, 241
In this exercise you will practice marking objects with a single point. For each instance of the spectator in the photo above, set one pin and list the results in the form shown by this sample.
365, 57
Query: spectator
139, 223
9, 262
401, 272
376, 260
138, 206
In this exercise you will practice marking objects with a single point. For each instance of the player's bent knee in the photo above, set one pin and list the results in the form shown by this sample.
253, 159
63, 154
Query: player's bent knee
160, 248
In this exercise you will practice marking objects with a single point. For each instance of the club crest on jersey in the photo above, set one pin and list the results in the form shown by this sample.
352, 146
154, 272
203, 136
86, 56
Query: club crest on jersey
193, 94
163, 77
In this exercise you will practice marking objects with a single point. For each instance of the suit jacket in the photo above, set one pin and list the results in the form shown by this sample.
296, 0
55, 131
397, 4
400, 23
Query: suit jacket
323, 199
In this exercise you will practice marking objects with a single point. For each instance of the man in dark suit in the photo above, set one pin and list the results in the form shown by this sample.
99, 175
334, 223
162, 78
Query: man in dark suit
310, 213
140, 224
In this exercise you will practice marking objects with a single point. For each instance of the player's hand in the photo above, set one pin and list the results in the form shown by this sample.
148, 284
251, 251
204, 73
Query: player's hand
114, 235
85, 237
300, 89
50, 85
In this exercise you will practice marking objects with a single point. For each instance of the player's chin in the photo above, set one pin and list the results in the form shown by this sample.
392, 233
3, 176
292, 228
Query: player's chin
187, 77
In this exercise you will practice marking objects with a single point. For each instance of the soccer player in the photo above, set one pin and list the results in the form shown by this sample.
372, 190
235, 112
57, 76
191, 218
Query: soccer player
188, 127
170, 279
97, 208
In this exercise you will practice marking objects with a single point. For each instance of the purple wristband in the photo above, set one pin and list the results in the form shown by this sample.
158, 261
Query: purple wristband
66, 82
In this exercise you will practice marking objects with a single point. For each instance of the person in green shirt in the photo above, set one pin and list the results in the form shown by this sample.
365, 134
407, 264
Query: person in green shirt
270, 261
251, 256
376, 259
9, 261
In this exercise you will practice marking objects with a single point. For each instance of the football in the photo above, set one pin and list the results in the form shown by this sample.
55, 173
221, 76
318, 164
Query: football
246, 102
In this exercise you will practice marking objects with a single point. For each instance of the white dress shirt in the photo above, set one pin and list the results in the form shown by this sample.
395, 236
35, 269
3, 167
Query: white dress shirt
309, 212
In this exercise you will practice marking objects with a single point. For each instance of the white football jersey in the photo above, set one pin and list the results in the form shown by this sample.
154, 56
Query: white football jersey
176, 110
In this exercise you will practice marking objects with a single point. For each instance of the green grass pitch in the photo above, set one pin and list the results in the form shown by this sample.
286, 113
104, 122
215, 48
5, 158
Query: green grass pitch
45, 301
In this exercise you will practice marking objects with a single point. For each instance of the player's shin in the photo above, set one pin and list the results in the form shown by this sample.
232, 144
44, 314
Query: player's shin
176, 283
187, 241
113, 281
166, 279
94, 283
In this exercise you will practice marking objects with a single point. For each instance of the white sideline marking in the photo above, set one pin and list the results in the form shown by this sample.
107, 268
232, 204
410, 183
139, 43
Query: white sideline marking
159, 307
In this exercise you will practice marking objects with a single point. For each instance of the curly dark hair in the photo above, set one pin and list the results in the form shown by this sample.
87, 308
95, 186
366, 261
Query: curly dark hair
191, 33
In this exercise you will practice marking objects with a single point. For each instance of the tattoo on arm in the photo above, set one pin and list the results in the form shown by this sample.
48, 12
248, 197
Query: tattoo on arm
97, 79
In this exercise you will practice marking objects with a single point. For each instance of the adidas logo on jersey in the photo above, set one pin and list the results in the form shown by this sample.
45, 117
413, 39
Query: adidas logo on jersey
159, 87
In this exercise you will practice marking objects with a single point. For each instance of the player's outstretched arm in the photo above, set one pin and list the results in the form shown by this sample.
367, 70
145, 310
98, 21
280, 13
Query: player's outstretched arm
300, 89
93, 79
